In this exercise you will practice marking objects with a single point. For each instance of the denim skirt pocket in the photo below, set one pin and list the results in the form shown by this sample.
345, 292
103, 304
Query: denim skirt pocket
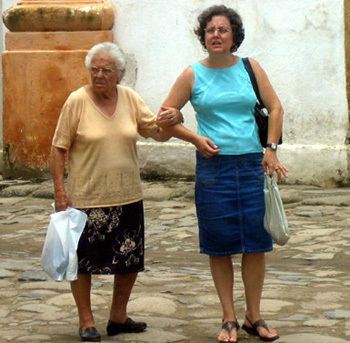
207, 170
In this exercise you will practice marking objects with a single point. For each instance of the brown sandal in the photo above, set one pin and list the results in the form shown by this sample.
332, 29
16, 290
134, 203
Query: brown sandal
229, 326
253, 330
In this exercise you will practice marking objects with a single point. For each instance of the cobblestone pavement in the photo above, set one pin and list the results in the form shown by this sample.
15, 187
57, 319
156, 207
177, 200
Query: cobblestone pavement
306, 293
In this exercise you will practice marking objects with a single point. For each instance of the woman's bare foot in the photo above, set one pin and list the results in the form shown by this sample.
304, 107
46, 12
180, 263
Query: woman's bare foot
259, 328
229, 332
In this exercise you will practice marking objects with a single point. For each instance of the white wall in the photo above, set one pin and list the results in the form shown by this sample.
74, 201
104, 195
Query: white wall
300, 44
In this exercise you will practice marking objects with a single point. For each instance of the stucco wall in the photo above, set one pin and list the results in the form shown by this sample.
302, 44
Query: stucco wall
299, 44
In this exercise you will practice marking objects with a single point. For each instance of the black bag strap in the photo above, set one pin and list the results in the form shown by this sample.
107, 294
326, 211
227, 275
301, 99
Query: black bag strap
250, 71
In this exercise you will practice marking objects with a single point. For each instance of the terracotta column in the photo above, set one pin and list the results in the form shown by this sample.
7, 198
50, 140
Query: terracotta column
43, 63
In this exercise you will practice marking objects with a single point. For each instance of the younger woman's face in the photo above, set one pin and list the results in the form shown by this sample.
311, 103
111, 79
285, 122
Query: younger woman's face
219, 35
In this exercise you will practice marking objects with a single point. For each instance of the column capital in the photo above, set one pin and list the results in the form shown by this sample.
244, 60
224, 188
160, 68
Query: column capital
59, 15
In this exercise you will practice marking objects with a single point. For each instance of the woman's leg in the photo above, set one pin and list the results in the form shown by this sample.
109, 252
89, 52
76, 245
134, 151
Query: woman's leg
222, 273
123, 284
81, 289
253, 274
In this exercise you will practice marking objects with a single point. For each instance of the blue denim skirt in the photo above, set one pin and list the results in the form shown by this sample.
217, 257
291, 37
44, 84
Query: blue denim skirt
230, 205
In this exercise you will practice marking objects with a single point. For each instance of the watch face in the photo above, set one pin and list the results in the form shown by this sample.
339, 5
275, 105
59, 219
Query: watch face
273, 146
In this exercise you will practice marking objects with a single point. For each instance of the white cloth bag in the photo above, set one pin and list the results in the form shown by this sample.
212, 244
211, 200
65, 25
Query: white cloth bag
275, 220
59, 256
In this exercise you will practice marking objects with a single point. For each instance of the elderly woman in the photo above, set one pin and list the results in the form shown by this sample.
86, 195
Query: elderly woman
230, 163
98, 129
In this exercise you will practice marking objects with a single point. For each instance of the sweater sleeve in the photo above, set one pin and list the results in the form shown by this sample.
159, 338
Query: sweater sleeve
67, 124
146, 119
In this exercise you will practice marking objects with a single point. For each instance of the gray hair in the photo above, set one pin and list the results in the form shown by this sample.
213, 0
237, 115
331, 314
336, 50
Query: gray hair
113, 51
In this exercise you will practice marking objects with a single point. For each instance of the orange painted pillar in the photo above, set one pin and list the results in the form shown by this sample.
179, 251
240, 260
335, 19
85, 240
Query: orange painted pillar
42, 64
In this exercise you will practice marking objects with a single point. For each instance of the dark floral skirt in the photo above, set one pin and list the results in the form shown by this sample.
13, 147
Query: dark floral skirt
113, 240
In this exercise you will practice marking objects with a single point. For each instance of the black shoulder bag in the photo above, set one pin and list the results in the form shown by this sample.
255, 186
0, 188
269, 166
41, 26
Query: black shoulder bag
261, 117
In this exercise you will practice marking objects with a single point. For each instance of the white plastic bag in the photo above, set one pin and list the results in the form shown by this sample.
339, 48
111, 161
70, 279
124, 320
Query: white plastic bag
275, 220
59, 256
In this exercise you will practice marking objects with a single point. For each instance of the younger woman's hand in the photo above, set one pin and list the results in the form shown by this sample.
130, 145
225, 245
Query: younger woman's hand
206, 146
271, 164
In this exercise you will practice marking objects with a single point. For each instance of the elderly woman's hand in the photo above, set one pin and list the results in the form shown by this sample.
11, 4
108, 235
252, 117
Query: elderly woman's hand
62, 201
271, 164
169, 116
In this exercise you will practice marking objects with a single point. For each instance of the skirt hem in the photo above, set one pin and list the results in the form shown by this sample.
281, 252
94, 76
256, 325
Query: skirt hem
116, 272
222, 254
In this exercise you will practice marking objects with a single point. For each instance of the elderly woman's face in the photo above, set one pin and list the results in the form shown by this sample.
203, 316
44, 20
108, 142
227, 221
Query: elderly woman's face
103, 72
218, 35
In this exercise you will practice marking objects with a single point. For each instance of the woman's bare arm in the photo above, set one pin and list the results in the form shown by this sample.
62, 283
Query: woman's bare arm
57, 159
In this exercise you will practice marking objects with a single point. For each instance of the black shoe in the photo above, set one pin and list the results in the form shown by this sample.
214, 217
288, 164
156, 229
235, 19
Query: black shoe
129, 326
90, 335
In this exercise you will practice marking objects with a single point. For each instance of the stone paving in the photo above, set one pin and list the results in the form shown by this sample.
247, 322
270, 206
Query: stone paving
306, 293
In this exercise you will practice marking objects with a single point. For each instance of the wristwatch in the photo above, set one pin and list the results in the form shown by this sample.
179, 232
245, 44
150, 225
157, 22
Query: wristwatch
272, 146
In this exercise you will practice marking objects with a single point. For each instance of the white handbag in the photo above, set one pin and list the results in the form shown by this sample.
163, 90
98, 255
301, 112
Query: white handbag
59, 256
275, 220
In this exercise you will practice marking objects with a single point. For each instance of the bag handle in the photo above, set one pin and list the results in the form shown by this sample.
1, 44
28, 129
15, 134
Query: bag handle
250, 71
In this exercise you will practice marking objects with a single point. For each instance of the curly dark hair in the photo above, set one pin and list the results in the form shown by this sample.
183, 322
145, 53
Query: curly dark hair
231, 15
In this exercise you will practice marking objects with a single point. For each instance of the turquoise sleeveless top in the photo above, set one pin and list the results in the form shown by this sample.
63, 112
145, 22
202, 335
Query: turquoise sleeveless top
224, 101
